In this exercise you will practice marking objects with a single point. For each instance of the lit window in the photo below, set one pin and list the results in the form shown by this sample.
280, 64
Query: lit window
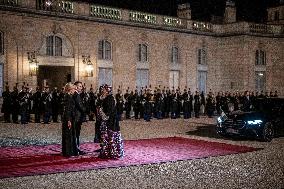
260, 57
201, 56
143, 53
104, 50
175, 55
53, 46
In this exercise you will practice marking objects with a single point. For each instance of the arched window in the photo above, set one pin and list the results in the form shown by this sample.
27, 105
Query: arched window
260, 57
201, 56
1, 43
104, 50
53, 46
143, 53
175, 55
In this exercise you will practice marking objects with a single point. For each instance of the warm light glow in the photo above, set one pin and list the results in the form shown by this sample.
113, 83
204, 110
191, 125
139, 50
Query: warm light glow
48, 3
33, 69
89, 68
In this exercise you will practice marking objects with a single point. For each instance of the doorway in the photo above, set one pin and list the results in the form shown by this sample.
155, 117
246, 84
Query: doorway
55, 76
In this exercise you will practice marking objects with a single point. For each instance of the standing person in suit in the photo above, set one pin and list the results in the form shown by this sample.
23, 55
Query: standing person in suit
69, 146
79, 113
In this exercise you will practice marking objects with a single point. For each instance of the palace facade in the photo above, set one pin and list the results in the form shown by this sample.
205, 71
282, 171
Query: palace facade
45, 42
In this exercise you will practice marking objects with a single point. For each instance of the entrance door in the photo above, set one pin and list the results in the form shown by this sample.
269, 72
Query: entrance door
202, 79
142, 78
260, 78
174, 79
105, 76
55, 76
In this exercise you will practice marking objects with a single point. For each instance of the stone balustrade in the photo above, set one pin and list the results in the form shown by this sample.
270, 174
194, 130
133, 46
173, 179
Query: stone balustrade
129, 16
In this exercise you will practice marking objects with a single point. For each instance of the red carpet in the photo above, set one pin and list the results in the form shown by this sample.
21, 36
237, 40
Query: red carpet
37, 160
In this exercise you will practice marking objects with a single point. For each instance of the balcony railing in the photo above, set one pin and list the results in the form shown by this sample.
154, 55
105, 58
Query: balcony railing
129, 16
105, 12
172, 21
56, 5
260, 28
202, 26
10, 2
142, 17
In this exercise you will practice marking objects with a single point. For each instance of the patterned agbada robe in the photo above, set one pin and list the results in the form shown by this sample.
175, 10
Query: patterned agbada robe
111, 140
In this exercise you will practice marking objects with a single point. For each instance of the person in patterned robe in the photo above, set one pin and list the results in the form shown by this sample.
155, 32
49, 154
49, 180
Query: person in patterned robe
111, 140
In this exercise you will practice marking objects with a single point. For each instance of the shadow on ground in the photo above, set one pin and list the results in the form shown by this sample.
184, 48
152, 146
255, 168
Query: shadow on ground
209, 130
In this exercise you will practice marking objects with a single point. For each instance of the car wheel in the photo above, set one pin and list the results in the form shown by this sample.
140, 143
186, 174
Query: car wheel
267, 132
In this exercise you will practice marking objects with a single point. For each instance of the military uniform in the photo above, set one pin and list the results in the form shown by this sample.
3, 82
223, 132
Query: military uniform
197, 103
15, 105
46, 99
23, 102
37, 105
6, 106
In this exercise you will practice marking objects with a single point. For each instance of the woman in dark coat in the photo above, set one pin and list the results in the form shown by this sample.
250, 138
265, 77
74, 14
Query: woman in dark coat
69, 147
111, 140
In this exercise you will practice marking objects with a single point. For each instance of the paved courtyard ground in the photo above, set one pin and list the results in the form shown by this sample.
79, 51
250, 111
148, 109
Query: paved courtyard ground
259, 169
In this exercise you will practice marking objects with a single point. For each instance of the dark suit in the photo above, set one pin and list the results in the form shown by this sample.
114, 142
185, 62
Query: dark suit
69, 147
79, 113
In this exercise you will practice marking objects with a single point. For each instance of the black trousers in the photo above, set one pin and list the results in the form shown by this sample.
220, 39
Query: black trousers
7, 117
78, 131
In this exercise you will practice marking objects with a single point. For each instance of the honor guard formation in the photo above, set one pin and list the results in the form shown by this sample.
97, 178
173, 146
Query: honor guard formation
147, 103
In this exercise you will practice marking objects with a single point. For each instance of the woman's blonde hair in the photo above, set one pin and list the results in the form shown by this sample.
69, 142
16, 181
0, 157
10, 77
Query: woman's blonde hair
68, 87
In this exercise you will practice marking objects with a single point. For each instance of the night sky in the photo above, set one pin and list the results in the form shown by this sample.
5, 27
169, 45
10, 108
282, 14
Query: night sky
247, 10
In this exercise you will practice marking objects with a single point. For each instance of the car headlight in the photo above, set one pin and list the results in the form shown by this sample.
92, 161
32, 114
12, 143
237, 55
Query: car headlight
219, 119
254, 122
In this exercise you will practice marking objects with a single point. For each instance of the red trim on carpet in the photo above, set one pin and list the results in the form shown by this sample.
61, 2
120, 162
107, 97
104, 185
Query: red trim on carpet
37, 160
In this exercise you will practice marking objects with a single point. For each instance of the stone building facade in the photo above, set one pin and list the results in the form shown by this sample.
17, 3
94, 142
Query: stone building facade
52, 42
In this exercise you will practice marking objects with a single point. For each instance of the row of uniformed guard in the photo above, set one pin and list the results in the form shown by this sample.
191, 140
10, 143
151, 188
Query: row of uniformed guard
145, 103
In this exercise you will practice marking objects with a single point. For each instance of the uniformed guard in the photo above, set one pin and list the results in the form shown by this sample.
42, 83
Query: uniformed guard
7, 104
92, 104
55, 104
119, 104
158, 104
148, 106
98, 122
15, 104
23, 102
174, 104
136, 104
46, 104
37, 104
210, 104
85, 101
186, 105
197, 103
167, 103
127, 104
29, 97
61, 102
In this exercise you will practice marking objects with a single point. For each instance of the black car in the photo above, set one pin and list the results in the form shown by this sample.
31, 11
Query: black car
264, 122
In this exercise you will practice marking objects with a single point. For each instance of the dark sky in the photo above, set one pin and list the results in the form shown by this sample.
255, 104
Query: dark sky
247, 10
